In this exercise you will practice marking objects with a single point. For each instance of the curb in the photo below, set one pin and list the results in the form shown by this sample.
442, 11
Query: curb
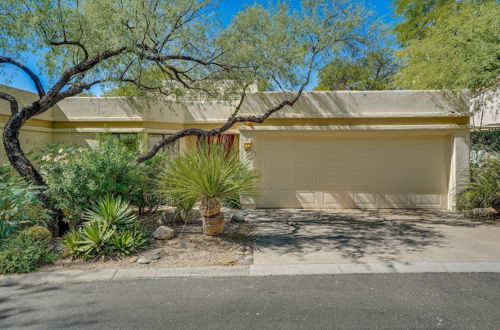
74, 276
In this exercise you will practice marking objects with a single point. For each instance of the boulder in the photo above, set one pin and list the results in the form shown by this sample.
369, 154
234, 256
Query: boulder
163, 232
237, 218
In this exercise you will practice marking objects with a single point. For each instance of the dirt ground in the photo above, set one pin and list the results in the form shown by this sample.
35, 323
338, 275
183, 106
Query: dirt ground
190, 247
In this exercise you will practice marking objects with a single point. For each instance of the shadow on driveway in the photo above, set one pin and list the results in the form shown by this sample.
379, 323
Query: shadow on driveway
353, 234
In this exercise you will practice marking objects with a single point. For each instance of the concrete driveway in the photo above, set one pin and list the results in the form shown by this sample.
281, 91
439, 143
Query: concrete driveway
293, 236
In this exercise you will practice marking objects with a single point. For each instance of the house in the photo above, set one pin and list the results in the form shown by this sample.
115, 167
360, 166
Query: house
385, 149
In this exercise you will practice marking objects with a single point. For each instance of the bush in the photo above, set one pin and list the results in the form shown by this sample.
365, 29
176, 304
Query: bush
484, 189
38, 232
19, 205
77, 176
24, 253
111, 230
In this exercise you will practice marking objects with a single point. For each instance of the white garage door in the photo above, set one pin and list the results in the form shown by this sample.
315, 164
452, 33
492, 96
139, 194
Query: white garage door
364, 171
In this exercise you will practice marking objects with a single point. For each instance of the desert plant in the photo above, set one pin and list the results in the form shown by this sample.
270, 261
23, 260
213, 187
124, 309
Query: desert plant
111, 229
209, 173
484, 189
37, 232
24, 253
112, 210
19, 205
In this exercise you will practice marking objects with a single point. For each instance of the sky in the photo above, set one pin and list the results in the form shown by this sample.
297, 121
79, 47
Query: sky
227, 8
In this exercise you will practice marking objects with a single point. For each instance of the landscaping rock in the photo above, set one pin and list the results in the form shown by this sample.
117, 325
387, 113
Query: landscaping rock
133, 259
163, 232
243, 248
237, 218
155, 257
143, 261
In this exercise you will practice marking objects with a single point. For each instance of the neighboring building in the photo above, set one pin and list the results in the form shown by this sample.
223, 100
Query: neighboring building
387, 149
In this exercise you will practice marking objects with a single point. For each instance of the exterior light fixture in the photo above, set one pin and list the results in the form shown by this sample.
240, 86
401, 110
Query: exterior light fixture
247, 146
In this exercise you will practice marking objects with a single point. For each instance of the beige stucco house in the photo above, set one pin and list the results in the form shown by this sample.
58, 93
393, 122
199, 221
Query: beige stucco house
387, 149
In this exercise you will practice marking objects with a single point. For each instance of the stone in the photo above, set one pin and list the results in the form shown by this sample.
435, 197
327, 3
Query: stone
143, 261
227, 261
133, 259
243, 248
237, 218
163, 232
248, 258
155, 257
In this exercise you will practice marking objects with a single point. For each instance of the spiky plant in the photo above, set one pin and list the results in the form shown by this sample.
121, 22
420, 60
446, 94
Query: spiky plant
113, 211
209, 174
484, 189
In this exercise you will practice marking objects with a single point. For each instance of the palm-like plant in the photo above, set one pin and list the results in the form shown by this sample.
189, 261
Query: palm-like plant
113, 211
209, 174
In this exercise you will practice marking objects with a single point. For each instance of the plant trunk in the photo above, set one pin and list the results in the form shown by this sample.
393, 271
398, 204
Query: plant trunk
213, 219
26, 169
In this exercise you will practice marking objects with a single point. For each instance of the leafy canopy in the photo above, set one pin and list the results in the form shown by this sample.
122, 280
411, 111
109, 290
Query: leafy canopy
461, 50
171, 46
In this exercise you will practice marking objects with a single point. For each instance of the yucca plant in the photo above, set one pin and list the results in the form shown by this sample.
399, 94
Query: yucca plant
209, 174
484, 189
112, 210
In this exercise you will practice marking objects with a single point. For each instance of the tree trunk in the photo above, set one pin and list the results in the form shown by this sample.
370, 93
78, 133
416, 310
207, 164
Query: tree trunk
26, 169
213, 219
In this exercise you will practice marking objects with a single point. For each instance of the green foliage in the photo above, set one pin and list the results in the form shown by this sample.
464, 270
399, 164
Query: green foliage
147, 196
24, 253
485, 140
19, 205
37, 232
113, 211
484, 189
418, 16
371, 72
460, 50
111, 230
183, 46
208, 171
77, 176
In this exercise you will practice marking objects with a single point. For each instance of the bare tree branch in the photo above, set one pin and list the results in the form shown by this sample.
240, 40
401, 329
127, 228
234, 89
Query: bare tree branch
14, 107
31, 74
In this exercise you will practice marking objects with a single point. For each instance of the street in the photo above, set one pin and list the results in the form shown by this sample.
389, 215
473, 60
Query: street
374, 301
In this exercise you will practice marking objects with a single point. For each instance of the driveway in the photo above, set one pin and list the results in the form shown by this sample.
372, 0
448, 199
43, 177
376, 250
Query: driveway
294, 236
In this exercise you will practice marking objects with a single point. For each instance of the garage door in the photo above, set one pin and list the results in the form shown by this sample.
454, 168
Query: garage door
364, 171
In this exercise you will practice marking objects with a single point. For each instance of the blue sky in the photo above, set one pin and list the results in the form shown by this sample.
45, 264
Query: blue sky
227, 8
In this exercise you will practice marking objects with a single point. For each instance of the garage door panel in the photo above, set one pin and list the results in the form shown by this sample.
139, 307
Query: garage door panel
334, 171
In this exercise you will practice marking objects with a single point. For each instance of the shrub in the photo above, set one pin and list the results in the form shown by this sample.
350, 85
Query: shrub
19, 205
24, 253
484, 189
111, 230
78, 175
38, 233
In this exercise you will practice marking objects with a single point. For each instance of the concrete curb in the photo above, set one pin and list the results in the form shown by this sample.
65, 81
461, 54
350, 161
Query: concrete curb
74, 276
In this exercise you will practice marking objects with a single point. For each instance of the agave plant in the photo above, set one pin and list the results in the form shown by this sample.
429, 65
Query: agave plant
94, 239
209, 174
127, 242
113, 211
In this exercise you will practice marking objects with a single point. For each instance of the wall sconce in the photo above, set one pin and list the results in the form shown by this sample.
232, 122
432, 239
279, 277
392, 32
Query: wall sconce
247, 146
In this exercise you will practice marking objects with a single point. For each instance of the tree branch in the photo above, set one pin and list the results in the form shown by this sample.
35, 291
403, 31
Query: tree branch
14, 107
31, 74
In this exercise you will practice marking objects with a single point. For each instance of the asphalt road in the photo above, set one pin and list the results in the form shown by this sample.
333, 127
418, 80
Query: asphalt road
416, 301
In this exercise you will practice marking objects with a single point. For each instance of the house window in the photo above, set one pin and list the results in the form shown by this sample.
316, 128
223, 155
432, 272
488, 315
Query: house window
172, 148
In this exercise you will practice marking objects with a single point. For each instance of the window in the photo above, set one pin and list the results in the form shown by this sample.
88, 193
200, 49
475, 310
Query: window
172, 148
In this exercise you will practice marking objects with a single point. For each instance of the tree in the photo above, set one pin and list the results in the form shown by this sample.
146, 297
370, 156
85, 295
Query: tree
418, 16
170, 47
461, 50
371, 72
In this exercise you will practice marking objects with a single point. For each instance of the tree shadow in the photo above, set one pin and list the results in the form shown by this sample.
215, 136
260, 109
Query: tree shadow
353, 234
